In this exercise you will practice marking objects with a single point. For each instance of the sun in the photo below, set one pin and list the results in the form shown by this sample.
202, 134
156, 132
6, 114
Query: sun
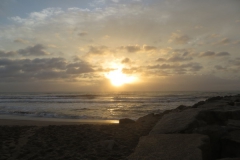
118, 78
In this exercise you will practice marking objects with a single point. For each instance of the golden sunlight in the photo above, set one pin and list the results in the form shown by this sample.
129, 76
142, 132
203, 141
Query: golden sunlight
118, 78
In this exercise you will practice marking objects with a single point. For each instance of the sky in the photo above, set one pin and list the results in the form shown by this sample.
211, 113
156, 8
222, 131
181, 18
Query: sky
119, 45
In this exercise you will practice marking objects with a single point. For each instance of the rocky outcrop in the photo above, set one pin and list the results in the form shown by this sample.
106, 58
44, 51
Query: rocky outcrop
167, 147
231, 144
149, 119
217, 118
234, 124
229, 159
177, 122
126, 121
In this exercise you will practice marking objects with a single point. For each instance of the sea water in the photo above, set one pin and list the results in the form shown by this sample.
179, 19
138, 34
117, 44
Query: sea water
97, 105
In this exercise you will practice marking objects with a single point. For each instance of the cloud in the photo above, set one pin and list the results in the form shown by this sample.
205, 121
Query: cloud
126, 23
7, 54
192, 66
219, 67
97, 50
116, 1
198, 27
177, 55
126, 60
176, 68
179, 38
161, 60
214, 54
232, 67
235, 62
214, 35
82, 34
174, 58
224, 41
131, 70
19, 40
79, 68
179, 59
236, 42
138, 48
38, 18
133, 49
42, 69
193, 83
36, 50
207, 54
149, 48
51, 46
222, 54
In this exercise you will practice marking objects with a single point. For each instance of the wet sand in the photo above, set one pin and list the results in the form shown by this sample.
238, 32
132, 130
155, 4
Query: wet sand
32, 139
33, 121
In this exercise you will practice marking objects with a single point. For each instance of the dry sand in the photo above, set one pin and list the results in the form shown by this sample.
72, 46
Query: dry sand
32, 139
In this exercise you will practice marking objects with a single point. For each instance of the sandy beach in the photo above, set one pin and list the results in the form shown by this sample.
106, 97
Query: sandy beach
208, 130
34, 139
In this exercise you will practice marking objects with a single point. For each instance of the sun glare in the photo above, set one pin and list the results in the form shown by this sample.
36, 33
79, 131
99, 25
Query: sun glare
118, 78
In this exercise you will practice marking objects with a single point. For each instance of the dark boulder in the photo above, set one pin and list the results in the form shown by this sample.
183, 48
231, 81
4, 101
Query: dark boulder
177, 122
231, 145
181, 108
233, 124
237, 104
215, 133
149, 119
126, 121
229, 159
198, 104
172, 147
213, 99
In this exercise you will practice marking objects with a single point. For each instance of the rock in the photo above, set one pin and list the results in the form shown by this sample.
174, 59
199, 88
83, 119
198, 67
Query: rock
167, 112
108, 144
233, 124
219, 115
229, 112
232, 98
215, 133
172, 147
198, 104
211, 105
237, 104
212, 99
231, 103
231, 145
177, 122
126, 121
234, 136
216, 118
187, 120
149, 119
230, 159
181, 108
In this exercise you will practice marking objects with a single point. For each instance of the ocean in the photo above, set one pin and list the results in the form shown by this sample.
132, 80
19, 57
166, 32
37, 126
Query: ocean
97, 105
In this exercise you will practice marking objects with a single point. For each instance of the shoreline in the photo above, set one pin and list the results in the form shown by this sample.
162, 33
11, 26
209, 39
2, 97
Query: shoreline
25, 139
35, 121
207, 129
